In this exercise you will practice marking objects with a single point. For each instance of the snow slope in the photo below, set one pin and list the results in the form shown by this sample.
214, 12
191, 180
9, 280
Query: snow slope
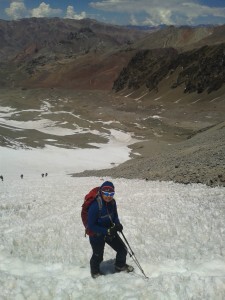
175, 231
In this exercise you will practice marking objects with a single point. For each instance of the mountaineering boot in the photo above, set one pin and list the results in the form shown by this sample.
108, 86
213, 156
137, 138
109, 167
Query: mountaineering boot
126, 268
96, 275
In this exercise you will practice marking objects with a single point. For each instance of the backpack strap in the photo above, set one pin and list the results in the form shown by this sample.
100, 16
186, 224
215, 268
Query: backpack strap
99, 201
114, 206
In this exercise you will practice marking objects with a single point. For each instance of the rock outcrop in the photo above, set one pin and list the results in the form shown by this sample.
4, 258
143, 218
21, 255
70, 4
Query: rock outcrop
197, 70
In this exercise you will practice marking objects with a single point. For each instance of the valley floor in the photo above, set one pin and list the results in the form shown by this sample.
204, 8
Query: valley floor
177, 139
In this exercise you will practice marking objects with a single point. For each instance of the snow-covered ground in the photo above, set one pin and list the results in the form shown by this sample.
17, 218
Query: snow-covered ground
58, 161
175, 231
21, 158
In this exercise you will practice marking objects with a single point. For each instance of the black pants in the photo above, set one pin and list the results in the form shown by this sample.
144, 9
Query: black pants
98, 246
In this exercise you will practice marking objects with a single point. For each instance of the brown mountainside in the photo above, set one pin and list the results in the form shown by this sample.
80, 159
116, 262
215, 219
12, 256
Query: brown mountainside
86, 54
183, 38
62, 52
61, 36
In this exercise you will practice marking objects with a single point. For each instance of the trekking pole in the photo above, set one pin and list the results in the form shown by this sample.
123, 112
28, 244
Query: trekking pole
131, 253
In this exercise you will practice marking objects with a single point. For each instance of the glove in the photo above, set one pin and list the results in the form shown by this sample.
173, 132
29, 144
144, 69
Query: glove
119, 227
112, 231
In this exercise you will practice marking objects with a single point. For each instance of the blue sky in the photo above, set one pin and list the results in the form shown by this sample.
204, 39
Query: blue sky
121, 12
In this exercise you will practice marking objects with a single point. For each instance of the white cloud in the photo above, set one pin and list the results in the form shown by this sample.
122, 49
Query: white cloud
44, 10
133, 20
71, 14
139, 12
149, 22
16, 10
196, 10
161, 11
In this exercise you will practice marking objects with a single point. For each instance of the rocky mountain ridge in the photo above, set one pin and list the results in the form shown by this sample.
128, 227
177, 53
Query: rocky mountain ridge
60, 36
199, 70
86, 54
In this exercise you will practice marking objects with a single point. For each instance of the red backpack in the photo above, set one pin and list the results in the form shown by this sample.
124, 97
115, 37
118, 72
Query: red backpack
88, 199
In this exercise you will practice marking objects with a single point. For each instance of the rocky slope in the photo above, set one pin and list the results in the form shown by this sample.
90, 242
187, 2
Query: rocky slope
199, 159
198, 70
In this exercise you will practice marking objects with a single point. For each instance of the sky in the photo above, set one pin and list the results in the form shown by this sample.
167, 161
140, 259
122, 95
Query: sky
121, 12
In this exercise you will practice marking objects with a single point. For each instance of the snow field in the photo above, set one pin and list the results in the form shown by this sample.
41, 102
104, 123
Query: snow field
175, 231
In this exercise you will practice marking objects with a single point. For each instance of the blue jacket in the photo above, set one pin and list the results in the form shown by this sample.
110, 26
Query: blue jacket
99, 220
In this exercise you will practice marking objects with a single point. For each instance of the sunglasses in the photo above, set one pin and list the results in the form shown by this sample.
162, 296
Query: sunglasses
108, 194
